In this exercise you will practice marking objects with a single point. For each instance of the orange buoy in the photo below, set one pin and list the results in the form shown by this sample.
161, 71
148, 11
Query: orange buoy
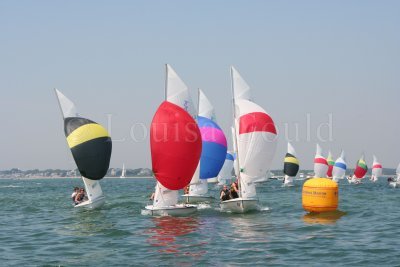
320, 195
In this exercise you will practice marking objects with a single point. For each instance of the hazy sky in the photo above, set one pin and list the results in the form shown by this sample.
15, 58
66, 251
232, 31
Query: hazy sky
302, 59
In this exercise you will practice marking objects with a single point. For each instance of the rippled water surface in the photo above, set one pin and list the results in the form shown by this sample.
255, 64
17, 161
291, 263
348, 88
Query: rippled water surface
40, 227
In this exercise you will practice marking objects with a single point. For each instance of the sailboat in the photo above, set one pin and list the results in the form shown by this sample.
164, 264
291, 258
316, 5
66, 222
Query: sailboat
290, 166
360, 171
255, 138
175, 142
225, 174
213, 154
320, 164
376, 170
123, 171
330, 161
90, 146
396, 182
339, 169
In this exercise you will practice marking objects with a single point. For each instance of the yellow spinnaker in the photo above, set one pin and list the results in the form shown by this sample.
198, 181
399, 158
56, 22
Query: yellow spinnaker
86, 133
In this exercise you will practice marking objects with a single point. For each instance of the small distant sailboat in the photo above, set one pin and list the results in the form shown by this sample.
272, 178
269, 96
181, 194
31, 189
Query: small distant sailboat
376, 170
225, 175
213, 154
255, 145
290, 166
360, 171
175, 142
339, 169
320, 164
123, 171
90, 146
396, 182
331, 163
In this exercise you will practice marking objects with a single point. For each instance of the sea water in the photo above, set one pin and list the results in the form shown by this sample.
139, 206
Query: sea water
39, 226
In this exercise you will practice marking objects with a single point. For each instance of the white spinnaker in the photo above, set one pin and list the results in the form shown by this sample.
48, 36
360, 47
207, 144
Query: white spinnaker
241, 88
320, 164
339, 169
225, 174
376, 171
67, 107
206, 109
93, 189
256, 149
177, 93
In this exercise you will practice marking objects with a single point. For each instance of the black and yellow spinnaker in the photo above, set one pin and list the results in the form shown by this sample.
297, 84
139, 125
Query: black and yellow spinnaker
291, 165
90, 145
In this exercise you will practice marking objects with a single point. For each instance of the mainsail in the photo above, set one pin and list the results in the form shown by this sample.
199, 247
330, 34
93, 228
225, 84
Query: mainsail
331, 163
339, 169
291, 164
175, 141
225, 175
90, 146
256, 137
361, 168
320, 164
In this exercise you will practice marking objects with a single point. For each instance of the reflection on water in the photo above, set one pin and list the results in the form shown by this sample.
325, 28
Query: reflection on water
167, 230
324, 217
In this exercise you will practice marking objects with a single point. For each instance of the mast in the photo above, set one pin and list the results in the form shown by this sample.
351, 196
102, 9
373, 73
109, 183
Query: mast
166, 82
235, 133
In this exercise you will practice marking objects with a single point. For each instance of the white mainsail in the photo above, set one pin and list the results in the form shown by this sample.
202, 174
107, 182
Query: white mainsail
123, 171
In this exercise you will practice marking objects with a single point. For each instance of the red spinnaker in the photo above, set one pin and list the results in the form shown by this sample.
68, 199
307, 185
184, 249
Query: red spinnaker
175, 142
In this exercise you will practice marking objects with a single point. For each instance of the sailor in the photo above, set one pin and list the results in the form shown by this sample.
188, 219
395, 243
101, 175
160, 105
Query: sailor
76, 189
80, 196
234, 190
224, 195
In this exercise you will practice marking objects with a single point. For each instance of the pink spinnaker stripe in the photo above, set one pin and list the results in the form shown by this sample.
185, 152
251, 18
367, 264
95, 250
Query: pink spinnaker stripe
377, 166
209, 134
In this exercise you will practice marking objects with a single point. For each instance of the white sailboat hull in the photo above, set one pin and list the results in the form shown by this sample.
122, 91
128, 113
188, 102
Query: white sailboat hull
212, 181
194, 199
239, 205
176, 210
394, 184
92, 204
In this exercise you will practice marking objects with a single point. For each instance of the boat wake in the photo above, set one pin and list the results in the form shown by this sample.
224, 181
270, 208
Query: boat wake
10, 186
263, 208
203, 206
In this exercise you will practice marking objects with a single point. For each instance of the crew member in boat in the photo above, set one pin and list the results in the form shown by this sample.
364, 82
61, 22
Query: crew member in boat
76, 190
390, 179
80, 197
225, 194
234, 190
